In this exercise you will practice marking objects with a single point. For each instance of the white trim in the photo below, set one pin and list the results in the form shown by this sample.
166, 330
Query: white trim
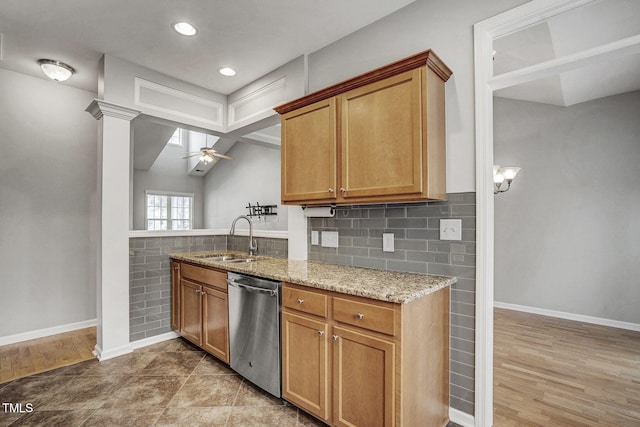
114, 352
166, 90
154, 340
484, 32
273, 234
461, 418
99, 108
276, 87
570, 316
41, 333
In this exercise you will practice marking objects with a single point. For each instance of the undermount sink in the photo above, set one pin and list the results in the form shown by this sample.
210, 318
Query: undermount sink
228, 258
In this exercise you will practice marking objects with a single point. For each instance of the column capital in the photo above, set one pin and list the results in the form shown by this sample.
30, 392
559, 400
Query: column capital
99, 108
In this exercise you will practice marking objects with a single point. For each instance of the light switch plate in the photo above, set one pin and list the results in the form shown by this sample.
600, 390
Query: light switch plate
387, 242
329, 239
450, 229
315, 238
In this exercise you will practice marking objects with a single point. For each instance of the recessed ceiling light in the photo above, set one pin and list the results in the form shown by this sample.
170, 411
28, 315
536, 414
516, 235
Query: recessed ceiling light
185, 28
56, 70
226, 71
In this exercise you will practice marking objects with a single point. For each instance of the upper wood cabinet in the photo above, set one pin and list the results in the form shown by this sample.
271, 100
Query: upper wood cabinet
379, 137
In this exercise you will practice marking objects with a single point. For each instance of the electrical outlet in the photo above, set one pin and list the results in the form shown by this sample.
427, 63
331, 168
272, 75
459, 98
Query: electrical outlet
450, 229
388, 242
315, 238
329, 239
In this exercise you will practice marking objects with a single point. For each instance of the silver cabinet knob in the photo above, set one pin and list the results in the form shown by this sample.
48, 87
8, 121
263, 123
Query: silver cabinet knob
330, 190
300, 301
359, 316
320, 333
343, 190
335, 337
197, 292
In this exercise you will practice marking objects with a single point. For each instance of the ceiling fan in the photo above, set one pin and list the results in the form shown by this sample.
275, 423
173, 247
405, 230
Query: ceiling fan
207, 155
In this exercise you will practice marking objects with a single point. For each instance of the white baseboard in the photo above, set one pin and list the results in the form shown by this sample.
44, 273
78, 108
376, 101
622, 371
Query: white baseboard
461, 418
40, 333
154, 340
570, 316
111, 353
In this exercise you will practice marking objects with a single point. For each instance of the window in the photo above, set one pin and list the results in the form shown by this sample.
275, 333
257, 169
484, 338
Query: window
169, 211
176, 138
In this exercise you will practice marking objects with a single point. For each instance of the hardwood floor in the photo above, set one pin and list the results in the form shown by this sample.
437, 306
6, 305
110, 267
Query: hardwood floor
555, 372
43, 354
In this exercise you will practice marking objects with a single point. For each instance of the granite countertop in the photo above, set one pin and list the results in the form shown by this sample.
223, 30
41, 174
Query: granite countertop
381, 285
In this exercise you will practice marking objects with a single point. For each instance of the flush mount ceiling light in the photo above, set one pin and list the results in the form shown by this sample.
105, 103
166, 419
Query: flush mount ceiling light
502, 174
56, 70
185, 28
226, 71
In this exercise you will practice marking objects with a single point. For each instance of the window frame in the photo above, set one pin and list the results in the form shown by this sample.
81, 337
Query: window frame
167, 194
181, 138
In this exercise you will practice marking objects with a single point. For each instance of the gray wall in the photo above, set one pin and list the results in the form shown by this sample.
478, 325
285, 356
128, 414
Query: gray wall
567, 234
446, 26
168, 173
254, 176
417, 249
47, 204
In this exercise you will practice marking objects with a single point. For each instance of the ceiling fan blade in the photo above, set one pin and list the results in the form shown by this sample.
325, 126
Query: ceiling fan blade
193, 155
224, 156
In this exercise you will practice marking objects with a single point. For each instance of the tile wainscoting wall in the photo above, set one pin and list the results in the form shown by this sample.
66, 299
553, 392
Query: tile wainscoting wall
419, 249
150, 275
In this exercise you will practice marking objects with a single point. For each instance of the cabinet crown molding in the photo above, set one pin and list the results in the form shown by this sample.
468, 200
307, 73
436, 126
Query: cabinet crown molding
428, 58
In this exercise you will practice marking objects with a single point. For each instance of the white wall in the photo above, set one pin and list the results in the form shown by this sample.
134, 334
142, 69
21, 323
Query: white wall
446, 26
254, 176
567, 234
168, 173
47, 204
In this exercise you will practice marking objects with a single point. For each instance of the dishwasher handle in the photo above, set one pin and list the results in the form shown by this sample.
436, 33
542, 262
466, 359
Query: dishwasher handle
252, 289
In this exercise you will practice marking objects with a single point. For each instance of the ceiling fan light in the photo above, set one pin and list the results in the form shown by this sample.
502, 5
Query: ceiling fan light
56, 70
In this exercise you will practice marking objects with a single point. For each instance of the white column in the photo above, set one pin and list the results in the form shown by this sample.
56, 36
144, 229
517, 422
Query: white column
112, 285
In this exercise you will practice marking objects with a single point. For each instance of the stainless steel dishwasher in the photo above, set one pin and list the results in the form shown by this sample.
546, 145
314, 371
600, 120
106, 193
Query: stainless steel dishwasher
254, 330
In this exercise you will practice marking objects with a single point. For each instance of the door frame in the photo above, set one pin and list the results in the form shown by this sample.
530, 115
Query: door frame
485, 32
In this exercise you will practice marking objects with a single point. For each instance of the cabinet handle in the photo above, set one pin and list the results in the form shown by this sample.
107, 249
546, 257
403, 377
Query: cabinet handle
197, 292
343, 190
330, 190
335, 337
300, 301
359, 316
320, 333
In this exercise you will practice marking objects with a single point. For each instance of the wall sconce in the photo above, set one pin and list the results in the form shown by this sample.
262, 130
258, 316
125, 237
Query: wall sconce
502, 174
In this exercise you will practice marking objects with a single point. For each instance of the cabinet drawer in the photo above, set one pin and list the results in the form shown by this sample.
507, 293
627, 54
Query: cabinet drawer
306, 301
365, 315
214, 278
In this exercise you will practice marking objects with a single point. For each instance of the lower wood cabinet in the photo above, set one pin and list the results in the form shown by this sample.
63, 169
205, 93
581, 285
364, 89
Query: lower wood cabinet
203, 308
352, 361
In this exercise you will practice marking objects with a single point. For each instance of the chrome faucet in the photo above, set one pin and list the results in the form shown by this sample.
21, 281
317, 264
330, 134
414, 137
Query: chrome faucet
253, 245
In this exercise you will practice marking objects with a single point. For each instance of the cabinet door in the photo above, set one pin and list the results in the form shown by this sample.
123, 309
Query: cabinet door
363, 380
175, 296
382, 149
309, 152
304, 363
191, 311
215, 326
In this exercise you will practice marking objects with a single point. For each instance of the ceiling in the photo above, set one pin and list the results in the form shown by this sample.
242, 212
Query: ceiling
252, 36
587, 27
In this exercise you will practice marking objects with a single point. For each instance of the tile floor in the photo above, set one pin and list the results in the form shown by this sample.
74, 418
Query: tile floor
171, 383
168, 384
